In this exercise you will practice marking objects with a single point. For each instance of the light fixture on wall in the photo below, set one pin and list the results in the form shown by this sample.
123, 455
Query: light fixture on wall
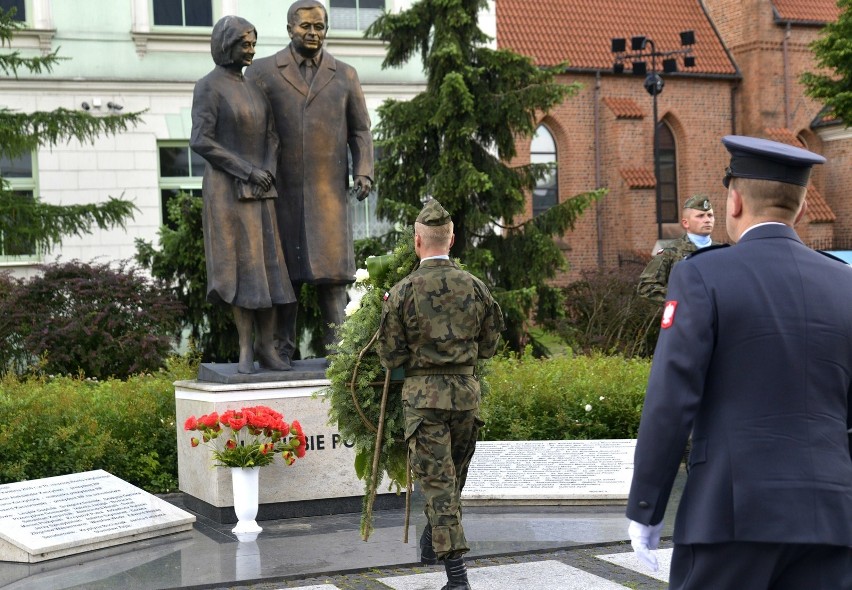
114, 106
641, 48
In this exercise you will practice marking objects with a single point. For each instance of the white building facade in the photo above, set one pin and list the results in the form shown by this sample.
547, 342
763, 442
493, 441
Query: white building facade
145, 55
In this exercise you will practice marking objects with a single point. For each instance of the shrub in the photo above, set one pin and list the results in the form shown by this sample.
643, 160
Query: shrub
604, 313
87, 318
547, 399
61, 425
180, 263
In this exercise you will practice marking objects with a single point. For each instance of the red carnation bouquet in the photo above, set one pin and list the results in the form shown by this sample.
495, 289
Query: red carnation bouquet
252, 436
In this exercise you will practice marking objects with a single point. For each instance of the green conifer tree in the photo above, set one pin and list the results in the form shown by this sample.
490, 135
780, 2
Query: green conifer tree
833, 50
31, 223
453, 142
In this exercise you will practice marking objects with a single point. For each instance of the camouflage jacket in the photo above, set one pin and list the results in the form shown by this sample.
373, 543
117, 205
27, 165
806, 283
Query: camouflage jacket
654, 280
436, 323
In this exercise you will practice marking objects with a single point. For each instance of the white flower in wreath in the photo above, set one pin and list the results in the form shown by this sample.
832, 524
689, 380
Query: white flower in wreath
361, 275
352, 307
588, 407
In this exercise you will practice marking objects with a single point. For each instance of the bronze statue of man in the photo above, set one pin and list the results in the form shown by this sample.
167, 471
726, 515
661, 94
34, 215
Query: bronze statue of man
319, 111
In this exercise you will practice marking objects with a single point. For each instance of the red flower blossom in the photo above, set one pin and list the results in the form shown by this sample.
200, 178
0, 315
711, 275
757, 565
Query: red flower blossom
210, 421
226, 416
237, 422
191, 423
194, 441
231, 444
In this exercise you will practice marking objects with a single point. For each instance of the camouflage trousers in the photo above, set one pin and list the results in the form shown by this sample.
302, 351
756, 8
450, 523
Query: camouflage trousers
440, 447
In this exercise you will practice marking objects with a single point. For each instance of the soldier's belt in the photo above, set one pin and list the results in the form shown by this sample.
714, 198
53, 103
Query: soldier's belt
442, 370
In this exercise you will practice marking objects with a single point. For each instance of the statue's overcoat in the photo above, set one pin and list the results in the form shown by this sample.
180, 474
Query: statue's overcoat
315, 125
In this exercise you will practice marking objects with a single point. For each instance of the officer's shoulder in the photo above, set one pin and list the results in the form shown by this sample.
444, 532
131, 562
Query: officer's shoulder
708, 249
833, 257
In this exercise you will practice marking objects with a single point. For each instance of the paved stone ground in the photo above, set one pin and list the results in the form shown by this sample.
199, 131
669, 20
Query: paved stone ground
583, 558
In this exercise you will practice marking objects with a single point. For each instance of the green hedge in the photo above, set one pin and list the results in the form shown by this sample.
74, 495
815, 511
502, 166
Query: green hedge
60, 425
579, 397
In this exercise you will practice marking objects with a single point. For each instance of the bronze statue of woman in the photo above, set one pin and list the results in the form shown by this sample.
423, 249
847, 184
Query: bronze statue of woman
233, 130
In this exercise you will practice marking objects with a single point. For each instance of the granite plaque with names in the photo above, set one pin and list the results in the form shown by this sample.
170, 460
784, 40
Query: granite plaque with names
57, 516
550, 472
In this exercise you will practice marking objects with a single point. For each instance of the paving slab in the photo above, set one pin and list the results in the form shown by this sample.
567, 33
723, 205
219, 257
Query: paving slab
552, 575
630, 561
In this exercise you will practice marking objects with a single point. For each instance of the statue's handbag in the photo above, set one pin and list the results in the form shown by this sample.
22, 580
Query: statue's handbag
243, 190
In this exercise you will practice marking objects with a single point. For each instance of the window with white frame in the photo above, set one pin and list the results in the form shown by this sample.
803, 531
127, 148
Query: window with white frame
543, 151
182, 13
353, 15
181, 171
19, 179
20, 7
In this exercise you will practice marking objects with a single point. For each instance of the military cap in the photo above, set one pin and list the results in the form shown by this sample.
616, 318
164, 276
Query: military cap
700, 202
752, 157
433, 214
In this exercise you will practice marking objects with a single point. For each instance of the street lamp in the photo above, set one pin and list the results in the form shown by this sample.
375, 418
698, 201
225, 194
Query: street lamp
641, 48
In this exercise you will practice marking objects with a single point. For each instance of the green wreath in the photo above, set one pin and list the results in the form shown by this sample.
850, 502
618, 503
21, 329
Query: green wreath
356, 405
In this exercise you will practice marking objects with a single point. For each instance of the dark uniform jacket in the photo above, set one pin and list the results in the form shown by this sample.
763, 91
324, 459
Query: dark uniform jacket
757, 361
439, 319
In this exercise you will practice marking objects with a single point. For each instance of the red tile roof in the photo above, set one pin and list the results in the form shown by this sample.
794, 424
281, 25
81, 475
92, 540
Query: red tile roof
783, 135
638, 177
580, 32
813, 11
818, 210
624, 108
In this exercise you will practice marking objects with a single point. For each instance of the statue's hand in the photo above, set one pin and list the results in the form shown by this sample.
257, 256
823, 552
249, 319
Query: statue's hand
363, 186
262, 179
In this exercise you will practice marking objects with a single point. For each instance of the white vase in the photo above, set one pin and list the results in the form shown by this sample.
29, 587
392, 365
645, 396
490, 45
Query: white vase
245, 484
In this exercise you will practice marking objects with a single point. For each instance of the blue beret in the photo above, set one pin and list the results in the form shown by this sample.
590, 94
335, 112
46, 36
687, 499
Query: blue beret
752, 157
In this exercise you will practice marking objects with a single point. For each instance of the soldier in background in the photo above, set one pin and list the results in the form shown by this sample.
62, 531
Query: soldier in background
698, 221
436, 323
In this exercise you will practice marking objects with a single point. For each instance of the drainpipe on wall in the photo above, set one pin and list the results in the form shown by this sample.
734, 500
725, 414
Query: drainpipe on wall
787, 114
734, 89
598, 180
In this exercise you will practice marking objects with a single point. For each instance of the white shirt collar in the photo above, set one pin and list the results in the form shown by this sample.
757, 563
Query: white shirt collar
748, 229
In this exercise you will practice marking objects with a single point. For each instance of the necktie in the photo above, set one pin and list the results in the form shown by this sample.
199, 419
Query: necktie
309, 71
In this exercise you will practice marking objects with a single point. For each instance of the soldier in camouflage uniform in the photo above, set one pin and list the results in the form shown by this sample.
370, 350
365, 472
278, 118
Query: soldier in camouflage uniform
698, 222
436, 323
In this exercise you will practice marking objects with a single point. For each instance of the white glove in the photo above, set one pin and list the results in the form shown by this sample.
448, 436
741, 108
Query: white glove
644, 538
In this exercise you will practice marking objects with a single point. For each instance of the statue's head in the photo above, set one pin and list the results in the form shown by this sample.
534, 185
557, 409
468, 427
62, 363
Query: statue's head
228, 32
307, 25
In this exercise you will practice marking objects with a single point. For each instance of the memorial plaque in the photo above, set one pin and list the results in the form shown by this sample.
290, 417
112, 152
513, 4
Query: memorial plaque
550, 472
57, 516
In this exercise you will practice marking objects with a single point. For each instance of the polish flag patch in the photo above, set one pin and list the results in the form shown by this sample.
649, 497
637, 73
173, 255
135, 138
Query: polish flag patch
668, 314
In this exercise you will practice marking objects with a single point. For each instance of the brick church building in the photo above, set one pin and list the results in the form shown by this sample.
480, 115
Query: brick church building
748, 56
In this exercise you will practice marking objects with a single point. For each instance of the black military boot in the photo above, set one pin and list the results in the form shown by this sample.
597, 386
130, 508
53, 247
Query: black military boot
427, 552
456, 574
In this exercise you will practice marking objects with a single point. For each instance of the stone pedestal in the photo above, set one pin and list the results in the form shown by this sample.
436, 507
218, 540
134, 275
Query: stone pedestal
323, 482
